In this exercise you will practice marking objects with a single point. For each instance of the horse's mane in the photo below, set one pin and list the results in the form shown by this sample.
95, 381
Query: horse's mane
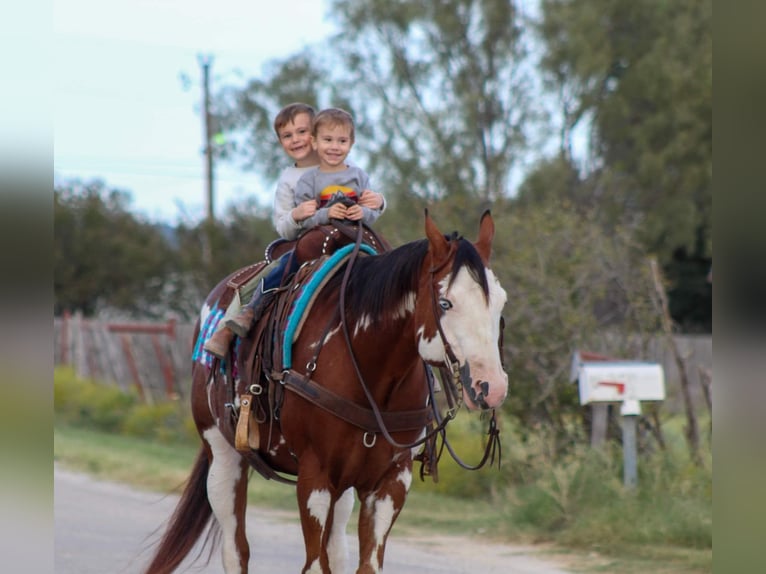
378, 283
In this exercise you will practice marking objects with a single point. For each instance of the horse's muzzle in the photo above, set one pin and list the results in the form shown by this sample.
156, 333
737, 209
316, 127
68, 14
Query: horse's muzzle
481, 393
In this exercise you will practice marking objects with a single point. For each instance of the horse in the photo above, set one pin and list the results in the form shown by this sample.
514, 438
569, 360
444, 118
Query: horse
347, 407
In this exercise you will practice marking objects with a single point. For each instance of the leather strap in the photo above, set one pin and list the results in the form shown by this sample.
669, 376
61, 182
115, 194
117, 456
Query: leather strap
351, 412
246, 436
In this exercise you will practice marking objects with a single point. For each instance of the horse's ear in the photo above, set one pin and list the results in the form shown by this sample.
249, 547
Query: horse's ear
439, 246
486, 234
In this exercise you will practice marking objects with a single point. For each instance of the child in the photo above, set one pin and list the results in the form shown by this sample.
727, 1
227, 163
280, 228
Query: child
332, 139
293, 126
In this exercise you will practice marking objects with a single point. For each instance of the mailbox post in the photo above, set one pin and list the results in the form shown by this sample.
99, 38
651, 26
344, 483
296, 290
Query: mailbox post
605, 380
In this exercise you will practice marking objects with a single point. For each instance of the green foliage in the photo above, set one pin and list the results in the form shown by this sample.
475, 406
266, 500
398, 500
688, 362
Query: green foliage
239, 239
166, 422
104, 407
579, 500
103, 255
467, 436
641, 74
88, 403
570, 286
444, 91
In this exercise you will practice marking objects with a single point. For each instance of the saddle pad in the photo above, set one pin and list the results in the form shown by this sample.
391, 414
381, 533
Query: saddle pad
206, 330
302, 302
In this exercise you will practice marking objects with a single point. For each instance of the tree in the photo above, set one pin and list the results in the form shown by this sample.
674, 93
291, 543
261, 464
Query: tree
443, 90
103, 255
640, 75
570, 286
641, 72
239, 238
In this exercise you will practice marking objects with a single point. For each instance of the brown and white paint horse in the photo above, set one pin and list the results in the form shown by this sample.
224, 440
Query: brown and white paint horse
423, 301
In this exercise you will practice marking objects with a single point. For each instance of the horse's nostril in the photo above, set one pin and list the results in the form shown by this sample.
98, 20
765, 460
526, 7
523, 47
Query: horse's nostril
484, 386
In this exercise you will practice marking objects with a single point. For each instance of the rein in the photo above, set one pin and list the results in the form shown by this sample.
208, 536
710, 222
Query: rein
453, 384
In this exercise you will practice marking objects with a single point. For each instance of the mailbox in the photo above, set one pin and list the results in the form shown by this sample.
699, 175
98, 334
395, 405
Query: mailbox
606, 380
616, 382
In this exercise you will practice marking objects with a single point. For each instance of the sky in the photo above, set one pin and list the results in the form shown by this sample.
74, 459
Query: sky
121, 111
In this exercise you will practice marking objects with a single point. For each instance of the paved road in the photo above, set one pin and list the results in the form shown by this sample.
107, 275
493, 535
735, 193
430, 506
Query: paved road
107, 528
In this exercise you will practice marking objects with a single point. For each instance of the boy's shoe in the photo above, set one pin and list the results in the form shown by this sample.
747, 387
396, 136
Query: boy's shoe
219, 343
242, 322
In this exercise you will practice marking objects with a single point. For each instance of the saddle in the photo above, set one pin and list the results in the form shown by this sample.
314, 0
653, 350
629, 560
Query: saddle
261, 355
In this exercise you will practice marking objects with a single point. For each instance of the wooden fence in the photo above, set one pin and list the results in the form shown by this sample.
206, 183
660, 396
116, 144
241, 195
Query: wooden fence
155, 358
152, 358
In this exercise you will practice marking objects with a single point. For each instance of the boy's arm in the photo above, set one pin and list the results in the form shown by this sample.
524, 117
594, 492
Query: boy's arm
284, 202
321, 217
369, 214
304, 191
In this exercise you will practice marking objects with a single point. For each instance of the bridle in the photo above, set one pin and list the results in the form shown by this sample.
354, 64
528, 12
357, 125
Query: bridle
451, 378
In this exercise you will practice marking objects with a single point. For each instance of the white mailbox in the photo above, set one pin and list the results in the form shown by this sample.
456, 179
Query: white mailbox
616, 382
606, 380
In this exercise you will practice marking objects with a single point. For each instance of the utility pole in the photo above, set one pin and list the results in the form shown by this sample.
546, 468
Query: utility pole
205, 62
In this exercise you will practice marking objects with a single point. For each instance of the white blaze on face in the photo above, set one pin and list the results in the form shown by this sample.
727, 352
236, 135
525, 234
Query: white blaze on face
472, 328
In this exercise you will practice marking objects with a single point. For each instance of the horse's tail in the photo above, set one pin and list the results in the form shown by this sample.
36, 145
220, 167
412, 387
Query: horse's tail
188, 521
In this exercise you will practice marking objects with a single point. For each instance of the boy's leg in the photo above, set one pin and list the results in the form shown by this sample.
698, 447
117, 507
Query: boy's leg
218, 344
243, 322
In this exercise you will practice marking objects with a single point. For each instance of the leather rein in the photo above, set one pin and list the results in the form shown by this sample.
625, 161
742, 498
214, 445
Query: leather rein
373, 420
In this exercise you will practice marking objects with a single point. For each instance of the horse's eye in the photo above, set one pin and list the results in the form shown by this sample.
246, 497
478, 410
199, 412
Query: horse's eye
445, 304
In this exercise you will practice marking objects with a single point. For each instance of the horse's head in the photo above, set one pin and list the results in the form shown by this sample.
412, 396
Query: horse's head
462, 330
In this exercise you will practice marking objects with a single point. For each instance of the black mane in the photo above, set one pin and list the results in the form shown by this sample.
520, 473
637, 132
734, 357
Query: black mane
379, 283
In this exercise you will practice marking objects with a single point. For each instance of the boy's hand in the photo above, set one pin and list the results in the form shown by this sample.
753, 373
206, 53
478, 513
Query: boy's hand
354, 213
304, 210
371, 199
337, 211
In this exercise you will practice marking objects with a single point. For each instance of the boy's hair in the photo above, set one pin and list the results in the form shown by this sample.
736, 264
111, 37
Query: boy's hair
288, 113
333, 117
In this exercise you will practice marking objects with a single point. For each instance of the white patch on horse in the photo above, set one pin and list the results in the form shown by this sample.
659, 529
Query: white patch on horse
383, 519
364, 323
430, 349
337, 545
221, 484
405, 477
406, 307
330, 334
318, 505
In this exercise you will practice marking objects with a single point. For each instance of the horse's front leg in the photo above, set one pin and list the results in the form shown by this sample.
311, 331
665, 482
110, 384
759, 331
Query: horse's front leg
379, 510
337, 545
227, 493
315, 506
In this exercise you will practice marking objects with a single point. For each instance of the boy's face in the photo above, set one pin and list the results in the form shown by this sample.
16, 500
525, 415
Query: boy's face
295, 137
332, 144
